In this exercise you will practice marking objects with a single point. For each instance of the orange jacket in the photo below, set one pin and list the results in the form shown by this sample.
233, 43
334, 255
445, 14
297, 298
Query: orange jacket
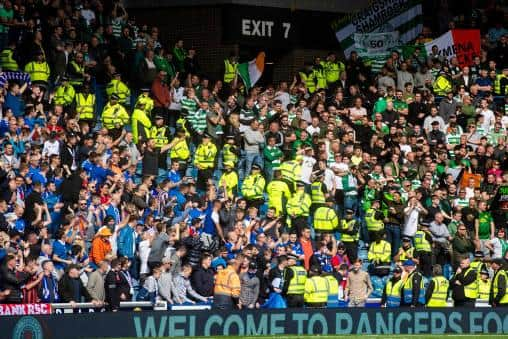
100, 248
227, 282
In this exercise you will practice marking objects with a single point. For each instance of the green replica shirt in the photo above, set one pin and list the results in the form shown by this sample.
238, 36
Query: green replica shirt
272, 156
484, 218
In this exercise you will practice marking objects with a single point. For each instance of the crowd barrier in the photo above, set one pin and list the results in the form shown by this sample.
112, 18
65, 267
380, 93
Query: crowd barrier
213, 322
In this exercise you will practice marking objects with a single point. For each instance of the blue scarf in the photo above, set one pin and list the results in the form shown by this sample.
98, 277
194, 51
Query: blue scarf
46, 293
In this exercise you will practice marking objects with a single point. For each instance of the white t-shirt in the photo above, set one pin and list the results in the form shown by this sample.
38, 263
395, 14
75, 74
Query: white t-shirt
498, 248
307, 166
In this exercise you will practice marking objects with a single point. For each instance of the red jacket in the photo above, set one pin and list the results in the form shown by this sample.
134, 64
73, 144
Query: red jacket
161, 93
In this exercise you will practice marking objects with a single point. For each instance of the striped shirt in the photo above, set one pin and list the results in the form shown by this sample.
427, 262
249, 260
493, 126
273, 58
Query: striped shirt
198, 120
189, 105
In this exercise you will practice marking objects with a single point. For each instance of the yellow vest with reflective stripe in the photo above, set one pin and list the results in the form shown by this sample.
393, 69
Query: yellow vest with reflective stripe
421, 244
299, 204
320, 81
308, 81
114, 115
64, 95
381, 252
325, 219
288, 170
495, 286
231, 181
332, 70
228, 155
297, 283
405, 254
147, 101
440, 293
120, 89
484, 289
253, 187
180, 150
372, 223
393, 293
229, 70
497, 83
85, 106
159, 135
345, 225
333, 287
471, 290
80, 70
7, 60
318, 197
140, 120
278, 193
39, 71
205, 155
316, 290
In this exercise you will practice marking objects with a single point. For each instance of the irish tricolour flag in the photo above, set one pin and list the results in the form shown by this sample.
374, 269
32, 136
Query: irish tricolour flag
251, 71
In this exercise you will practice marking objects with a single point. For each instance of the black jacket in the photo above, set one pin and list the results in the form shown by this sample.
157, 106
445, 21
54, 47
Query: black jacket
417, 278
10, 281
202, 280
67, 290
458, 290
112, 285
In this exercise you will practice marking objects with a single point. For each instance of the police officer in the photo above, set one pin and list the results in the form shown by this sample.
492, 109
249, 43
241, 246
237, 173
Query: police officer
393, 289
316, 289
160, 133
180, 151
65, 93
423, 249
278, 193
318, 191
349, 228
374, 219
204, 160
464, 285
85, 105
437, 291
38, 69
295, 277
484, 285
325, 219
253, 187
406, 251
229, 181
298, 208
477, 264
380, 255
141, 124
412, 292
291, 171
498, 292
7, 58
118, 87
114, 117
144, 98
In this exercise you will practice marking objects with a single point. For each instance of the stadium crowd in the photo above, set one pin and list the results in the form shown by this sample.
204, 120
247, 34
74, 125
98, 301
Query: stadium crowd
127, 173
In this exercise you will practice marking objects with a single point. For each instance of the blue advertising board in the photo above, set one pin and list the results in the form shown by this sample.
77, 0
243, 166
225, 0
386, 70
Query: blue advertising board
272, 322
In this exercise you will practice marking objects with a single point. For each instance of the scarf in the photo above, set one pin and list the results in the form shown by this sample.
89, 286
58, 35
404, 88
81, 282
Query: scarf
46, 292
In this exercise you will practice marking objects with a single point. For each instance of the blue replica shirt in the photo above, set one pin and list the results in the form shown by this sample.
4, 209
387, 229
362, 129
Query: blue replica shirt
325, 261
20, 225
209, 225
174, 177
231, 253
51, 199
296, 247
60, 249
